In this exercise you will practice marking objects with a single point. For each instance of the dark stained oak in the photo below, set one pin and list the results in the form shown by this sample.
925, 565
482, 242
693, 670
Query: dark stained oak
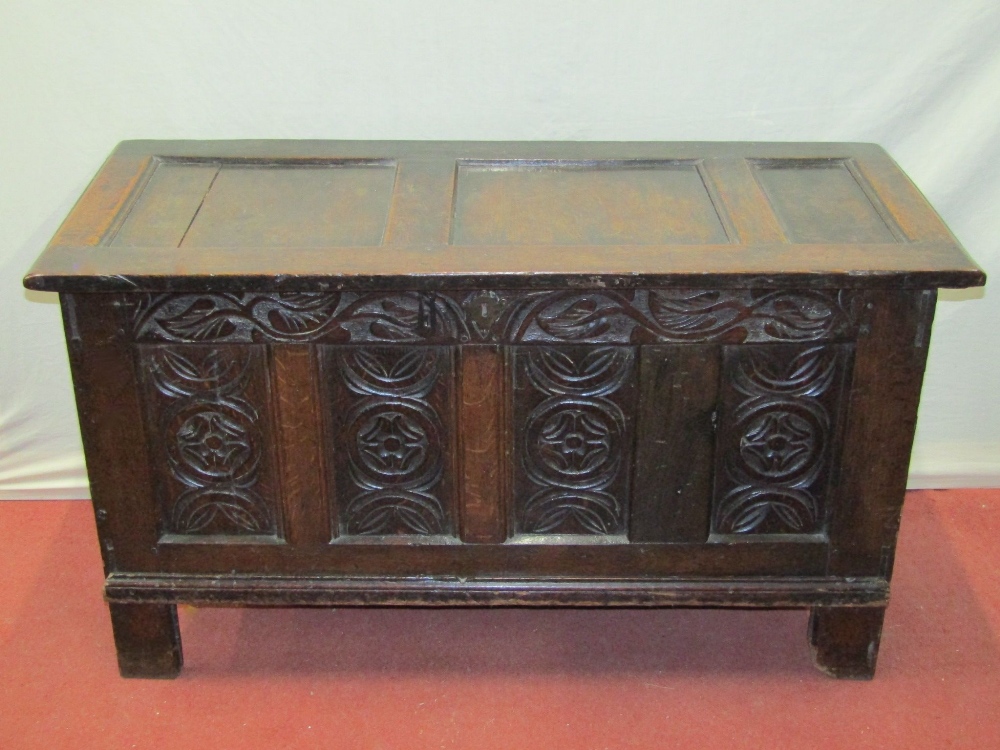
675, 446
789, 591
888, 372
573, 439
147, 639
321, 373
391, 410
208, 418
845, 640
779, 416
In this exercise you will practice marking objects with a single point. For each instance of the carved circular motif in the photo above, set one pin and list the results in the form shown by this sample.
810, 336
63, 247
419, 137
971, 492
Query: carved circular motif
575, 443
213, 440
395, 444
781, 442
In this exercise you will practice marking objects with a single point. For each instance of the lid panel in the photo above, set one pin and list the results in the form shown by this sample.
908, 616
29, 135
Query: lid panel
584, 203
822, 201
163, 211
276, 204
295, 206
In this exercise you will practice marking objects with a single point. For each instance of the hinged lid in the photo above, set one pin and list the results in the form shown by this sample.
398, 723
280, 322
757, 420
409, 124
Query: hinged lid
314, 215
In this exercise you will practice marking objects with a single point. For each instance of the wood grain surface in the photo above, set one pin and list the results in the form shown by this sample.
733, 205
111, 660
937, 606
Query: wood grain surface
199, 215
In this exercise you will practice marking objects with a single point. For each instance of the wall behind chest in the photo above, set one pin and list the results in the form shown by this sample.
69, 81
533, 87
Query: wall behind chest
76, 77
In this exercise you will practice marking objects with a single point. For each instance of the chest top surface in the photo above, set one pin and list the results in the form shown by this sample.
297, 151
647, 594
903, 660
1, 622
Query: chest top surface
319, 215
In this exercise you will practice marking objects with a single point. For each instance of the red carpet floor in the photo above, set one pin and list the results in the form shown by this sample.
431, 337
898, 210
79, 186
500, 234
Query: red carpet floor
503, 678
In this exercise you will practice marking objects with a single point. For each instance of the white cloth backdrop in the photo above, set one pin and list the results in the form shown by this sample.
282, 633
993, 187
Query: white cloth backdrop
920, 78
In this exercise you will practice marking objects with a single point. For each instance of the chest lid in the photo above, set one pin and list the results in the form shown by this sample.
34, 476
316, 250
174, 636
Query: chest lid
317, 215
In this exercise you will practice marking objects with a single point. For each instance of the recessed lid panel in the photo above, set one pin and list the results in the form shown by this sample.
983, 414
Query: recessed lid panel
277, 204
824, 200
584, 203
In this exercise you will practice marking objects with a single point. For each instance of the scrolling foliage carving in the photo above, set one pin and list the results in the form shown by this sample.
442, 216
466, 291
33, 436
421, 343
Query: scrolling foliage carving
388, 404
777, 437
209, 430
687, 315
573, 435
596, 316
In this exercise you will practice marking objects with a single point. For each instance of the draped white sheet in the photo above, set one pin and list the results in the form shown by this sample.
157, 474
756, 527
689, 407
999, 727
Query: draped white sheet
920, 78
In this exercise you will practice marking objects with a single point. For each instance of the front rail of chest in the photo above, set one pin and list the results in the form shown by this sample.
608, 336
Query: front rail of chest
590, 448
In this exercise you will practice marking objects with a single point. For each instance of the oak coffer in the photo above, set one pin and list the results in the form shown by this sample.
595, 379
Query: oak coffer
590, 374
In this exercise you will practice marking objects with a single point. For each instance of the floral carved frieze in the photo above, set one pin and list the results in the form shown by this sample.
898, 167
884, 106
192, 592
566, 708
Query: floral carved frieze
594, 316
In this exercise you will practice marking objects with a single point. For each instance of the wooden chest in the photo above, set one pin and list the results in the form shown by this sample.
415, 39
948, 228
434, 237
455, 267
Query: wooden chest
594, 374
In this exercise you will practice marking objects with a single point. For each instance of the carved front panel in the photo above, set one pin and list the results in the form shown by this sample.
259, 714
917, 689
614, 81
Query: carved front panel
392, 435
208, 422
573, 434
564, 436
778, 437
